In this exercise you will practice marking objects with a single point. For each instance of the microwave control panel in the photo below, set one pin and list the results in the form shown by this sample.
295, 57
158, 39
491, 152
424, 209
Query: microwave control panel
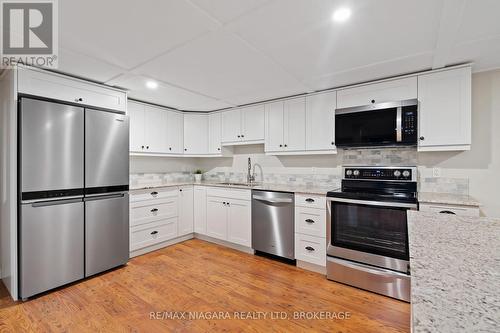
410, 123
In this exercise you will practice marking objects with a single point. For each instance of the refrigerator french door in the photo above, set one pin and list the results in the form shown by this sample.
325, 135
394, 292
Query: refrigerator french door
51, 182
106, 185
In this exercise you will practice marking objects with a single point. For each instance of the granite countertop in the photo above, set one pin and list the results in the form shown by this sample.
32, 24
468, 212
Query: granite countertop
447, 198
455, 273
257, 186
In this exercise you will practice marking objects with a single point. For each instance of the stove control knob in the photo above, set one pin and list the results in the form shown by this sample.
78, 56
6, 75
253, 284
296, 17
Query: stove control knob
356, 173
406, 173
397, 173
348, 172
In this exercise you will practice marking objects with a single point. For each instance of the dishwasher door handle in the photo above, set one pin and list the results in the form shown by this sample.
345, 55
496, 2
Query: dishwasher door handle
261, 198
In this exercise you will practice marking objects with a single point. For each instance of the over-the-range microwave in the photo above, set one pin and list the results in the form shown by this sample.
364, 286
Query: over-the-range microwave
383, 124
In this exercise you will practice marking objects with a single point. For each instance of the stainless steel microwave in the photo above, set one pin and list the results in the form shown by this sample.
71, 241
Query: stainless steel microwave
383, 124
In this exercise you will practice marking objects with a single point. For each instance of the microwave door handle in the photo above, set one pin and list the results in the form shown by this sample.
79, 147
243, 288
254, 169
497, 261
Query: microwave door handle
399, 125
374, 203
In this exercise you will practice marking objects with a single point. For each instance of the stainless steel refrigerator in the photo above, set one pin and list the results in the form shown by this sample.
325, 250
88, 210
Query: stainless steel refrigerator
73, 181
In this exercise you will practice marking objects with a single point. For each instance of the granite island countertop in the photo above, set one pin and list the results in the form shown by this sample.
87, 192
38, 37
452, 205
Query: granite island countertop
447, 199
301, 189
455, 273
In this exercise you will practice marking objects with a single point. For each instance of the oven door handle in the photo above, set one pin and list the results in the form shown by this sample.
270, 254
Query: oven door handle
374, 203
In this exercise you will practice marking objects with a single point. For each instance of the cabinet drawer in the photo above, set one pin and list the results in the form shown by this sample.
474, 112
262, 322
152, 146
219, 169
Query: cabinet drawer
312, 201
153, 233
388, 91
68, 89
151, 194
450, 209
232, 193
310, 249
148, 211
310, 221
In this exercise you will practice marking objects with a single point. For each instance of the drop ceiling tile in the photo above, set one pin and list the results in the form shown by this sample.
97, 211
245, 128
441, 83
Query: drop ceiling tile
484, 53
301, 36
480, 20
167, 95
221, 65
227, 10
86, 67
128, 33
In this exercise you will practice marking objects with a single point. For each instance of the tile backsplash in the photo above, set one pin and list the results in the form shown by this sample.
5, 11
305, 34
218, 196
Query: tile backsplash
444, 185
404, 156
155, 179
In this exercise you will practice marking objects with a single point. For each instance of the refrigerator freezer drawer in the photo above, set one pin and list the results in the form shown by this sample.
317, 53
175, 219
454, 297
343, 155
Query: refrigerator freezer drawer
51, 246
106, 232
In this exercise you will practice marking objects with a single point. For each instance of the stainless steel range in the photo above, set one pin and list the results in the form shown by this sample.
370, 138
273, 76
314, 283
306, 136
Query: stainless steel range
367, 229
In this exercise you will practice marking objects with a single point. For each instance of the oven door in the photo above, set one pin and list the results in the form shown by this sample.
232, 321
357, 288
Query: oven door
370, 232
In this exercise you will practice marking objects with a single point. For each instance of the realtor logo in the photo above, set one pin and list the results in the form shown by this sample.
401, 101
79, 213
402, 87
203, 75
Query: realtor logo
29, 33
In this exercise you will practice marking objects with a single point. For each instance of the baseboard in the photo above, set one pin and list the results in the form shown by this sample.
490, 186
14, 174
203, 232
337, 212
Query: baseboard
311, 267
241, 248
160, 245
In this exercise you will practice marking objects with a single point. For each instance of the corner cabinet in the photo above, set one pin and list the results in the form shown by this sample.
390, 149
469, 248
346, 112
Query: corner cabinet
445, 110
320, 122
243, 125
195, 134
285, 126
214, 134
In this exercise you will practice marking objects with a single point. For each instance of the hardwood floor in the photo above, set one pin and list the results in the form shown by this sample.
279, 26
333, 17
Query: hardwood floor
196, 276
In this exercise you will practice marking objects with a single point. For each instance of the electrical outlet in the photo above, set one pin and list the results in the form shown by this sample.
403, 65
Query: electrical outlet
436, 172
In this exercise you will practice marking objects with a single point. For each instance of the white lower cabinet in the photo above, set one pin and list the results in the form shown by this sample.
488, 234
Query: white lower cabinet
153, 233
229, 219
200, 210
450, 209
186, 205
310, 229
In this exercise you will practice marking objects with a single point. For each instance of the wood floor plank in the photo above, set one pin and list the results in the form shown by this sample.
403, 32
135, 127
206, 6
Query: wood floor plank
203, 278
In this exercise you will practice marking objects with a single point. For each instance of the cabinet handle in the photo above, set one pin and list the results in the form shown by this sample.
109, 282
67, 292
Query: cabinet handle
309, 200
373, 101
224, 203
185, 149
333, 143
147, 147
180, 190
79, 99
154, 210
239, 136
309, 248
154, 232
169, 148
242, 136
310, 221
142, 147
447, 212
154, 193
286, 145
422, 138
281, 145
218, 149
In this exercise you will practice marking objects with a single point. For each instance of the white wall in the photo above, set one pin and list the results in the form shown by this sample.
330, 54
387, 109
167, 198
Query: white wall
482, 163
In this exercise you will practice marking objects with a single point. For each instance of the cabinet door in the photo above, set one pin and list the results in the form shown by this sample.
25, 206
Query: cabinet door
200, 209
239, 222
196, 134
445, 109
185, 210
295, 125
320, 121
214, 133
388, 91
136, 118
253, 123
155, 130
274, 127
175, 132
231, 126
216, 218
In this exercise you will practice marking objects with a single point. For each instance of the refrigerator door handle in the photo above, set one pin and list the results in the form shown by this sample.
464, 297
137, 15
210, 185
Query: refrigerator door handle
104, 196
55, 202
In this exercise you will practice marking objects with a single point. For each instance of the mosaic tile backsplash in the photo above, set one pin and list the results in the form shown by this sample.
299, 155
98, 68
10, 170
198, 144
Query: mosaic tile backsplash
380, 157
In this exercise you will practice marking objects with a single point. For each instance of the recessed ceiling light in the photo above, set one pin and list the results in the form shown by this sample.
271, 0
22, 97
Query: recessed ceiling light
151, 84
341, 14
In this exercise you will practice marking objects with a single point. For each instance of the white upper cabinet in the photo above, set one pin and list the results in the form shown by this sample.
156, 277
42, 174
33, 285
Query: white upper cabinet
274, 127
445, 110
195, 134
286, 126
387, 91
294, 125
320, 122
214, 133
135, 112
253, 123
175, 132
243, 125
155, 134
38, 82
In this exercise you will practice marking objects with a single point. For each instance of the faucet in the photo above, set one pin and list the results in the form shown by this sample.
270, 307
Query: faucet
250, 176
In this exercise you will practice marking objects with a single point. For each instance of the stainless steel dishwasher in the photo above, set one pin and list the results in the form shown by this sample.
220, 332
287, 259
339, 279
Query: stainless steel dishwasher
273, 223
